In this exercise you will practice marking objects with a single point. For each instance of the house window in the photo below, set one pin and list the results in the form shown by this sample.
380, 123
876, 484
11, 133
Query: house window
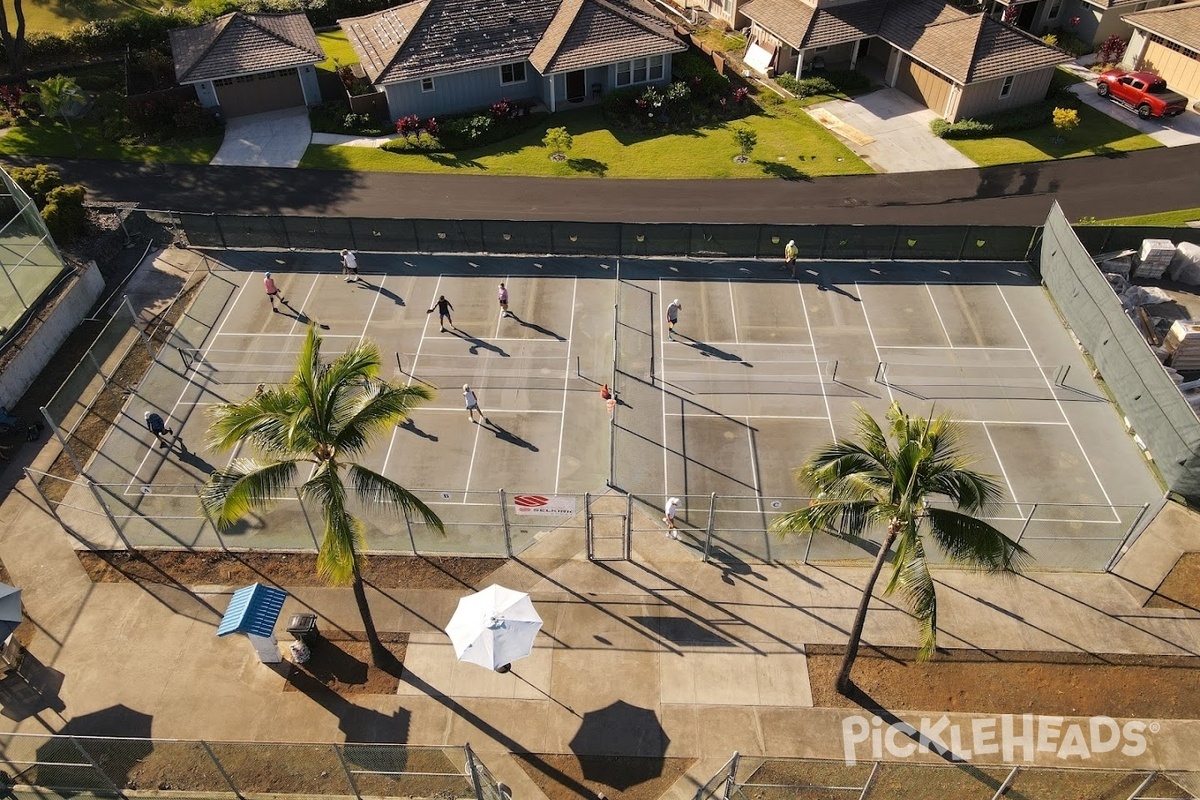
640, 70
727, 5
426, 84
1007, 86
1055, 7
512, 73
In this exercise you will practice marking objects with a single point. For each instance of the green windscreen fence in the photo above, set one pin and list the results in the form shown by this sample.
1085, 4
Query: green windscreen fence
1141, 387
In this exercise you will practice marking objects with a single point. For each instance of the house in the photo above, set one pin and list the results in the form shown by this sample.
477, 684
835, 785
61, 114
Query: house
958, 64
249, 63
438, 57
1167, 41
1093, 21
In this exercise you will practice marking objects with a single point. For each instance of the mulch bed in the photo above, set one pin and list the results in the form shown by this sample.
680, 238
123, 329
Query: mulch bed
1013, 682
343, 666
562, 777
217, 568
1181, 588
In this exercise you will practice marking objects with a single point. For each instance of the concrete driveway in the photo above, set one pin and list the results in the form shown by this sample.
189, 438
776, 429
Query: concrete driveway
1174, 132
270, 139
890, 131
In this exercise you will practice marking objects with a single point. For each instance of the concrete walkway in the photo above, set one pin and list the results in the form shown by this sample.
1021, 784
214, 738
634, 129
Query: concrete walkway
272, 139
1173, 132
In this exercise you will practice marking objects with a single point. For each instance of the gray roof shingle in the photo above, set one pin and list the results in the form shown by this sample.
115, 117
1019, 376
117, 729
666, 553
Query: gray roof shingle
965, 47
238, 43
1179, 23
588, 33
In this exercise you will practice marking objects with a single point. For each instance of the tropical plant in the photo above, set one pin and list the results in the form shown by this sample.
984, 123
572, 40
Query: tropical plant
322, 419
558, 141
889, 478
59, 96
1066, 120
746, 140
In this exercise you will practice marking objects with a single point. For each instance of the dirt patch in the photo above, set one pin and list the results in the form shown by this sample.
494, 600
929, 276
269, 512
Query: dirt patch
564, 777
1013, 682
1181, 588
343, 666
215, 568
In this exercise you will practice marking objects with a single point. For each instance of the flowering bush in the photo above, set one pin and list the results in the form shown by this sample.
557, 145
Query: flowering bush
502, 109
409, 125
1111, 50
10, 98
740, 94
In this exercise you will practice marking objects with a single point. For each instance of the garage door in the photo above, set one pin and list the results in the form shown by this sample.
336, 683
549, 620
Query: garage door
1181, 71
921, 84
265, 91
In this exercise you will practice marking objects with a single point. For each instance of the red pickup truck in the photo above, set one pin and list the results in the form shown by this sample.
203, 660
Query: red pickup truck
1143, 92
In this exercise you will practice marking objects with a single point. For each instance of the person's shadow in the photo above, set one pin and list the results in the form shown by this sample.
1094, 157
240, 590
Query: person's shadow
533, 326
508, 436
195, 460
388, 293
479, 344
411, 427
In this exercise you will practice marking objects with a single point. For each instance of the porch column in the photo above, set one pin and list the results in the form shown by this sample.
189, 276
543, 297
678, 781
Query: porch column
799, 63
552, 81
854, 53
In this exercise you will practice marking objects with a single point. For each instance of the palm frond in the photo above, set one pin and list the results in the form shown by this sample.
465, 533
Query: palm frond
973, 543
379, 492
342, 542
265, 421
380, 409
911, 576
835, 516
245, 485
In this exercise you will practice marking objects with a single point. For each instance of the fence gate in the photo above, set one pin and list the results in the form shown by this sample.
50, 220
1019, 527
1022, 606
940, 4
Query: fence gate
608, 535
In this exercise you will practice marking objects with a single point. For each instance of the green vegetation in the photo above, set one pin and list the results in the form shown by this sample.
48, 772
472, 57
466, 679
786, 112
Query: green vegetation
790, 145
731, 42
1168, 219
1097, 134
57, 17
337, 49
54, 140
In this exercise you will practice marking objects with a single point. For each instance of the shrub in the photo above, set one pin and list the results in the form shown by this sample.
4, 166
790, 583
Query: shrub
165, 114
696, 71
746, 141
1111, 49
37, 181
848, 81
193, 119
1018, 119
1065, 119
408, 125
64, 213
558, 141
420, 142
1050, 39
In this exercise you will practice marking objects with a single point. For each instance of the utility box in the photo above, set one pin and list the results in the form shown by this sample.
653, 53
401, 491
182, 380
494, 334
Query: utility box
303, 628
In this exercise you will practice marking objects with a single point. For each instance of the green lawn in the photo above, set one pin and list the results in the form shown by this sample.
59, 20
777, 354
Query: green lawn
336, 48
1170, 219
1096, 135
790, 145
57, 16
53, 140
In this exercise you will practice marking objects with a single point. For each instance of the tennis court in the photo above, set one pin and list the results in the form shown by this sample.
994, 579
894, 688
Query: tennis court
764, 369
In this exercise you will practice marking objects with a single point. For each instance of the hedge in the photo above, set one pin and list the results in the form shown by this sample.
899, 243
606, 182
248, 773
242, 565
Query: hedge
1018, 119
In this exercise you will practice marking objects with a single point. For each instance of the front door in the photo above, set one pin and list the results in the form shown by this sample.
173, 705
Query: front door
1026, 16
576, 86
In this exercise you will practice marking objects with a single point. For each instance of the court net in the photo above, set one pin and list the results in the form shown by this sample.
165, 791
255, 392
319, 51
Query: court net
1034, 382
492, 370
743, 377
240, 366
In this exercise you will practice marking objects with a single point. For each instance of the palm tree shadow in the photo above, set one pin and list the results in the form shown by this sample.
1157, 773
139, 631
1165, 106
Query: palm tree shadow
868, 703
479, 344
508, 436
411, 427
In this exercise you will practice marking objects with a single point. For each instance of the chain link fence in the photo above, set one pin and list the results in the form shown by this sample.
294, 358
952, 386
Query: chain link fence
30, 263
102, 766
745, 778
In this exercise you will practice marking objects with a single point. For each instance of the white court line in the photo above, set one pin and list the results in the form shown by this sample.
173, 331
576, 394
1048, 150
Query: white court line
1058, 403
748, 416
662, 348
295, 335
562, 425
934, 303
733, 308
1011, 492
459, 410
307, 297
710, 360
188, 384
944, 347
371, 313
758, 344
471, 468
388, 457
412, 370
862, 300
812, 340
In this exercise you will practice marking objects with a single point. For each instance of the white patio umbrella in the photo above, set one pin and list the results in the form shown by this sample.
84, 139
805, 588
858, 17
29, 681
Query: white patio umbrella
494, 627
10, 610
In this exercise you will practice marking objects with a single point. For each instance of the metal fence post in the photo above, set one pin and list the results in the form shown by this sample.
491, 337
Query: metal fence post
808, 547
50, 506
628, 526
508, 550
1112, 562
473, 771
211, 521
58, 435
346, 767
587, 524
96, 767
221, 769
220, 230
133, 320
731, 779
412, 540
108, 513
99, 369
708, 534
1007, 783
1028, 519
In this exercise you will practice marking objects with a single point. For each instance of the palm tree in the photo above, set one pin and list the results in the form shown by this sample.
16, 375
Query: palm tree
60, 96
888, 478
324, 417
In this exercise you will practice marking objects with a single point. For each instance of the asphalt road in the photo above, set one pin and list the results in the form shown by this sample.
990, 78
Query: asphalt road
1101, 187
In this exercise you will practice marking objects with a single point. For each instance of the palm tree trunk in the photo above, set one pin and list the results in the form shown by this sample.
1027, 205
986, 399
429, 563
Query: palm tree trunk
379, 653
860, 618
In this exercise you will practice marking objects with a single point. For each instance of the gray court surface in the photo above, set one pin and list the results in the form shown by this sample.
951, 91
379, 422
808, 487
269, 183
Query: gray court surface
765, 369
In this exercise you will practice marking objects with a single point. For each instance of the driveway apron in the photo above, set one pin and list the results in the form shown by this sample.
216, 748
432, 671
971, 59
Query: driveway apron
890, 131
271, 139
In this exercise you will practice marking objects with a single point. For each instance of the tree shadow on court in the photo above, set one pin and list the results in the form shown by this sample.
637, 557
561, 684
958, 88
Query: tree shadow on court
535, 327
411, 427
505, 435
388, 293
479, 344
